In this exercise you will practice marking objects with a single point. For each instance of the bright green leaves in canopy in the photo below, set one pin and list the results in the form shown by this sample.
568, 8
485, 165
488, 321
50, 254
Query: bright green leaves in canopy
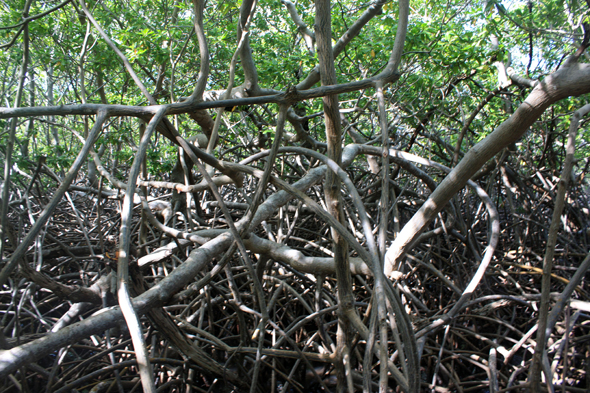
447, 66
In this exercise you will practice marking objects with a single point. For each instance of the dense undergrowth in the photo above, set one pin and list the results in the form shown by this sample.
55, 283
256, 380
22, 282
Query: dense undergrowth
490, 339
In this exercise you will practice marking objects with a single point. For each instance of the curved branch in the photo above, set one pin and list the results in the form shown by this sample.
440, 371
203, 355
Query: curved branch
41, 15
400, 39
250, 73
545, 328
299, 261
572, 79
308, 35
198, 6
11, 360
59, 193
131, 317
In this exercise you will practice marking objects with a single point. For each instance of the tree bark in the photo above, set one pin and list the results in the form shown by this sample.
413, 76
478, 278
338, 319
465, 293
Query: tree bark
323, 32
572, 79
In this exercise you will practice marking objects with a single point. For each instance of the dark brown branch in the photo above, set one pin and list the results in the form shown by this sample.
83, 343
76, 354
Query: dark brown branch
585, 41
41, 15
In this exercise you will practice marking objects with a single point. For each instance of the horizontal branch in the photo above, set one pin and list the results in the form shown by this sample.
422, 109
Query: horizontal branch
288, 97
299, 261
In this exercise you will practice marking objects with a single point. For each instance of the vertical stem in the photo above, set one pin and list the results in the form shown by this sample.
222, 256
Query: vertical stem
145, 368
250, 74
143, 229
263, 183
323, 32
52, 133
12, 135
198, 7
31, 126
384, 208
243, 33
535, 371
